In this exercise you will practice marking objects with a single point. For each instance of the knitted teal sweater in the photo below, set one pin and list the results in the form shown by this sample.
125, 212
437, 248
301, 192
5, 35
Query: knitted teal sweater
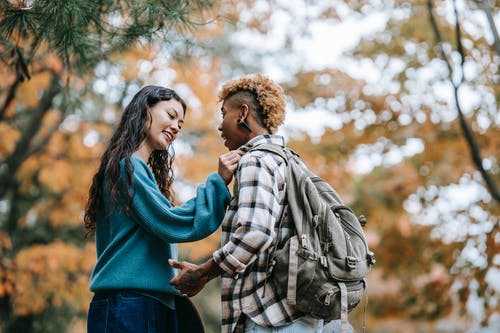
133, 249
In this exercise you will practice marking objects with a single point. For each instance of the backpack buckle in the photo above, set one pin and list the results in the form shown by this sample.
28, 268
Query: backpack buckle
304, 241
316, 221
323, 262
350, 263
370, 257
362, 220
328, 297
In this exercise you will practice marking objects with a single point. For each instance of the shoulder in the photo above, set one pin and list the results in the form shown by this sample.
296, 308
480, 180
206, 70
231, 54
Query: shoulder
265, 161
137, 166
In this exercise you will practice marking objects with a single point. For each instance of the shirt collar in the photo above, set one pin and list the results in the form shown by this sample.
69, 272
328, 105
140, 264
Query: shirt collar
263, 139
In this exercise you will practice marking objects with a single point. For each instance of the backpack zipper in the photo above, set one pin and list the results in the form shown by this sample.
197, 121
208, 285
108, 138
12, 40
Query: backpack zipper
350, 227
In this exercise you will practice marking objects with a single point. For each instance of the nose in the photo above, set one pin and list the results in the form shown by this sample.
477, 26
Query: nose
175, 127
220, 127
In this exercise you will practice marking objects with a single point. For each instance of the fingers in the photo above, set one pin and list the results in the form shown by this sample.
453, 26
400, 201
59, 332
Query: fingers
228, 163
175, 281
175, 264
231, 157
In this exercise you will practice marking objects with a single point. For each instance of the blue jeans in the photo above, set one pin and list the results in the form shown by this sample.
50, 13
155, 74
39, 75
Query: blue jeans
126, 312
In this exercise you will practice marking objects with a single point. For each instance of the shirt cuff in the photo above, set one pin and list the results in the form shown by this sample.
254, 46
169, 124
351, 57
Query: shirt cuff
228, 262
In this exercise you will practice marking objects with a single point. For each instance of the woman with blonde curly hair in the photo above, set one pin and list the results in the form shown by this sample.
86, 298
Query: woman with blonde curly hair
253, 107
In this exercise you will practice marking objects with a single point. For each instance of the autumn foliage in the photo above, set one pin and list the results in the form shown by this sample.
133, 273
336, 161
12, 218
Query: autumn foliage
396, 153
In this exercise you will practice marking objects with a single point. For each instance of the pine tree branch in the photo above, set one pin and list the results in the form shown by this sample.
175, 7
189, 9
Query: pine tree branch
467, 131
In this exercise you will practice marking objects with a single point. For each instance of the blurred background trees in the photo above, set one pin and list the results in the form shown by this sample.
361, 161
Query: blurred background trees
53, 126
379, 95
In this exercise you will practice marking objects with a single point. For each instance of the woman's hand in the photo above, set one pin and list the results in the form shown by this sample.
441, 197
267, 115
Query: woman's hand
228, 162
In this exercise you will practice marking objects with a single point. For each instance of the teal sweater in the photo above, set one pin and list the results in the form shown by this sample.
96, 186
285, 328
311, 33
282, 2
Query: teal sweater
133, 249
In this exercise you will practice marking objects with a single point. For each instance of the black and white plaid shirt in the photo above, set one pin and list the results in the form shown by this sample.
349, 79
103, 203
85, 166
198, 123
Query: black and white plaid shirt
249, 234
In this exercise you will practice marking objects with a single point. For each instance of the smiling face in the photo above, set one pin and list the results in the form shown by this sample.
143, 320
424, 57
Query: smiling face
167, 118
233, 134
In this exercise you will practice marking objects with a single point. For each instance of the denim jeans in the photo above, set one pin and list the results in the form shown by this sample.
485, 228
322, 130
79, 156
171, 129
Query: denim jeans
126, 312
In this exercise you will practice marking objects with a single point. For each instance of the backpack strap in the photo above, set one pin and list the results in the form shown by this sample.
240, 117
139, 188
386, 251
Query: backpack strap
293, 268
343, 307
275, 149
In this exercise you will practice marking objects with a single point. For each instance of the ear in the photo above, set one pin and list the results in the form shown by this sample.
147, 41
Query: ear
243, 112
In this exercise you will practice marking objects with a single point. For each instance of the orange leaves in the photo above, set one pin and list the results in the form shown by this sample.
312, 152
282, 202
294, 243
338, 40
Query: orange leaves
6, 274
56, 176
9, 137
30, 91
50, 122
201, 75
66, 211
54, 274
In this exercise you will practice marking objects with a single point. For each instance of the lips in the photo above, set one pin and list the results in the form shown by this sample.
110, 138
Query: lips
169, 136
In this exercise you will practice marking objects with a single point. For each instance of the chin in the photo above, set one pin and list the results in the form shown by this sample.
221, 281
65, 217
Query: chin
162, 147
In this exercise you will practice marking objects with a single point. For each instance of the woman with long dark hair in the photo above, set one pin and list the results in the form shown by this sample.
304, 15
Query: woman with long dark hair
136, 226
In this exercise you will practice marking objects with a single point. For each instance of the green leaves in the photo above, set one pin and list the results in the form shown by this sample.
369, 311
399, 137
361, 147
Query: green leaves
17, 21
82, 32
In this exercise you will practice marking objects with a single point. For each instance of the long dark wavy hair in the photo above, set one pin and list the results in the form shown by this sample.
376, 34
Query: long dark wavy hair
131, 132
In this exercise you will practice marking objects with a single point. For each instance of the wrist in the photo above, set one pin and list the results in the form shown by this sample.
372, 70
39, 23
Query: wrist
210, 270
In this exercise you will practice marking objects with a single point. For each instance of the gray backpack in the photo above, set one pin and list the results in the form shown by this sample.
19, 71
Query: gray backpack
322, 267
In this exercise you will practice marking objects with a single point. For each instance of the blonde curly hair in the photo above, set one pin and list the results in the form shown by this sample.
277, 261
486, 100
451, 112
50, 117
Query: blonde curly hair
269, 95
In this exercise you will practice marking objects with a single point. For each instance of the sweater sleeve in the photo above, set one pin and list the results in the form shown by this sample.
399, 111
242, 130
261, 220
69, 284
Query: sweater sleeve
194, 220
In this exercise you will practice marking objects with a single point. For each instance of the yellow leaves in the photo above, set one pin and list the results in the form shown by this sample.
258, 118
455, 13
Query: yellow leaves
50, 122
64, 211
308, 86
72, 207
56, 144
30, 91
54, 274
25, 174
56, 177
9, 137
6, 274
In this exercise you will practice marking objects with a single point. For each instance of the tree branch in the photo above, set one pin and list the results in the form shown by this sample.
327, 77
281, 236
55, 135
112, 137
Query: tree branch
10, 97
483, 4
45, 140
468, 134
22, 151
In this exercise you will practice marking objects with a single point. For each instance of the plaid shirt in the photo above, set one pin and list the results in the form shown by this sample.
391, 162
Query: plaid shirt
249, 232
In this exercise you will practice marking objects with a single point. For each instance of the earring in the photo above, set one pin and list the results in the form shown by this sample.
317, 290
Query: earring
243, 123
